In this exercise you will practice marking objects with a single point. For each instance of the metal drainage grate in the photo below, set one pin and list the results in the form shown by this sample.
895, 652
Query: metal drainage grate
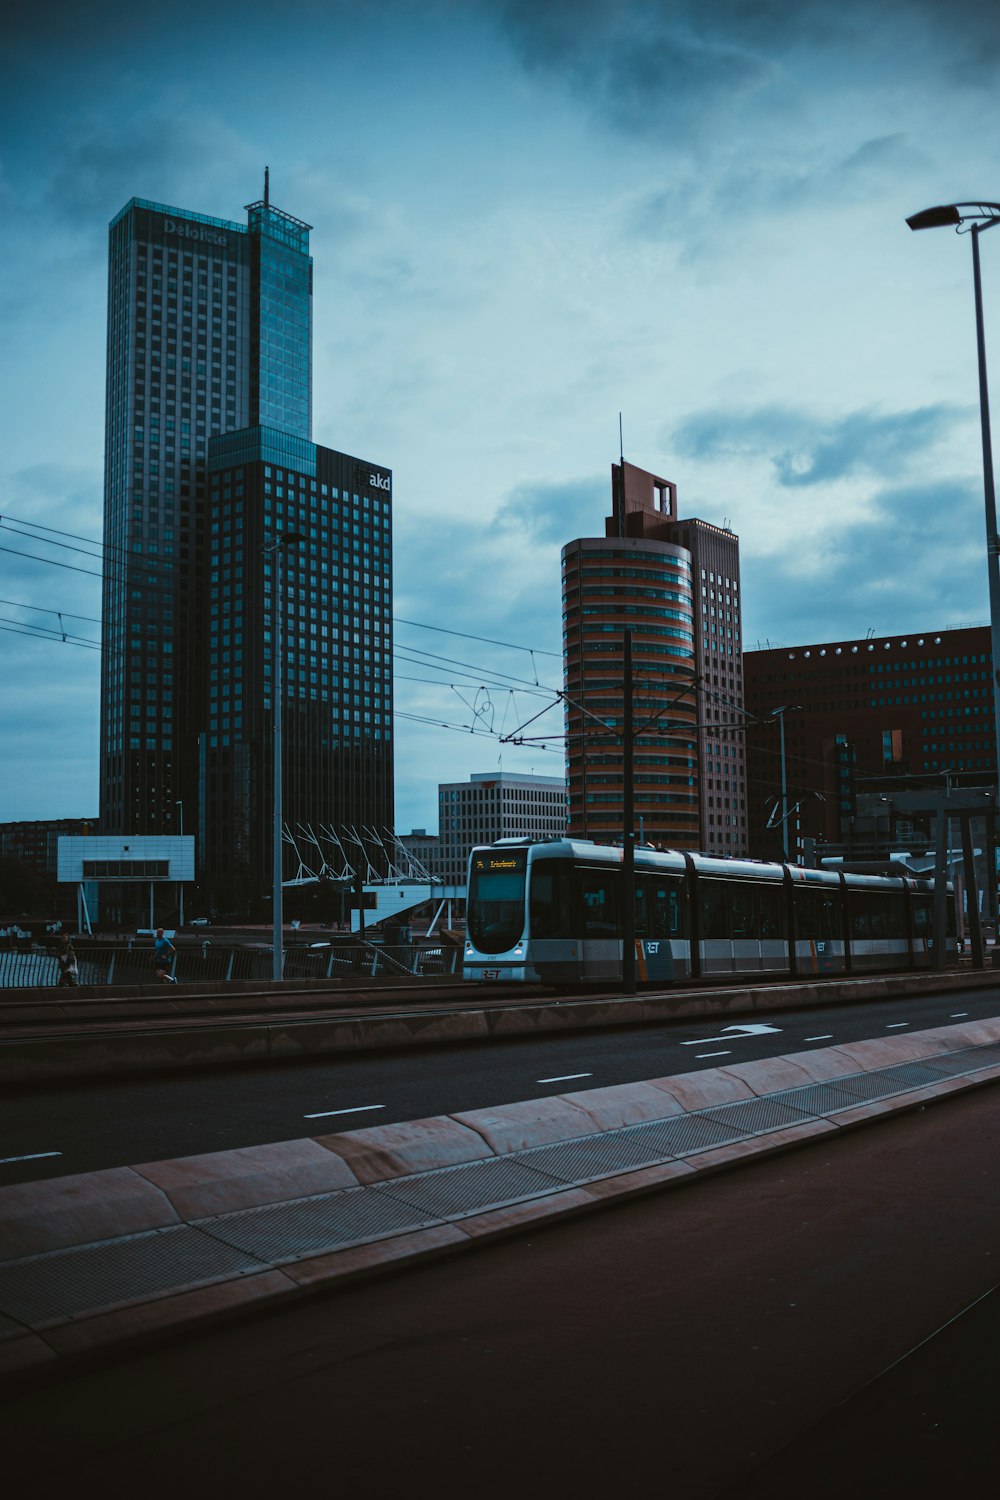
884, 1081
68, 1283
911, 1074
593, 1156
683, 1135
330, 1221
954, 1064
757, 1116
817, 1098
986, 1057
451, 1192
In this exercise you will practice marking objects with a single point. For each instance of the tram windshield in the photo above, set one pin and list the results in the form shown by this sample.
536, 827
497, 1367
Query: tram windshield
496, 898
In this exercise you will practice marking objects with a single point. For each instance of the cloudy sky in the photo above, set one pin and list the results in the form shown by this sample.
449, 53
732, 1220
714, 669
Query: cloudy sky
528, 216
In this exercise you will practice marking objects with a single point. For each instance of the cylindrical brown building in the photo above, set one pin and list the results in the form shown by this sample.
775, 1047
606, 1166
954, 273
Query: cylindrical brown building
610, 585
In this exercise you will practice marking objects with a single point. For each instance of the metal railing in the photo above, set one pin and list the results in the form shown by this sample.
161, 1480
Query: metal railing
100, 964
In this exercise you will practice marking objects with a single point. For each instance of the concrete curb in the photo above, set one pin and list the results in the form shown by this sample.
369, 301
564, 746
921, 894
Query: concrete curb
208, 1044
102, 1220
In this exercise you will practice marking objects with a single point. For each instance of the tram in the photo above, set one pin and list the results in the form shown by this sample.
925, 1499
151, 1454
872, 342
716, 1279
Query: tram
550, 912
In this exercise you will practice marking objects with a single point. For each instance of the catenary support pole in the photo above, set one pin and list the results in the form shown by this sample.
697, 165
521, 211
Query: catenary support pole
628, 821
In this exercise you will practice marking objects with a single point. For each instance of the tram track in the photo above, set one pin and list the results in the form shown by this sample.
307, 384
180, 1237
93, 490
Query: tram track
56, 1020
64, 1016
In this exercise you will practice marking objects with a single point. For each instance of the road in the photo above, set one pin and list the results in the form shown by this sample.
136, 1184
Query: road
65, 1128
697, 1343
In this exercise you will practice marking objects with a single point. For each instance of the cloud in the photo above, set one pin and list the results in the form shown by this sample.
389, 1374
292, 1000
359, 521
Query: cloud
556, 512
866, 441
645, 69
804, 450
913, 561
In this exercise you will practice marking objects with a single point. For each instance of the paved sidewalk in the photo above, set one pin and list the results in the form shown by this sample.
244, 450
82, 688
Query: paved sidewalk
96, 1263
684, 1345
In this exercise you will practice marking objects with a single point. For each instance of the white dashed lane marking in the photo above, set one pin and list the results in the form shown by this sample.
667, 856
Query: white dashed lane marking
827, 1037
713, 1054
563, 1077
358, 1109
32, 1156
895, 1025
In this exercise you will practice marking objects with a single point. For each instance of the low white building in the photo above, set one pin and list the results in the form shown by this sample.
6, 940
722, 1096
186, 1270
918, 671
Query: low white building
495, 805
125, 859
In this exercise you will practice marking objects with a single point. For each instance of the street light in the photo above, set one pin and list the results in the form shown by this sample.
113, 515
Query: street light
975, 219
180, 805
277, 550
779, 714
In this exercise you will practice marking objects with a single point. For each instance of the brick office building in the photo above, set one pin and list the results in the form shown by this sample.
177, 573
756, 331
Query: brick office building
864, 716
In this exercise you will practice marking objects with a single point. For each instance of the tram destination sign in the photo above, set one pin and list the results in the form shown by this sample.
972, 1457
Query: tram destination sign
506, 861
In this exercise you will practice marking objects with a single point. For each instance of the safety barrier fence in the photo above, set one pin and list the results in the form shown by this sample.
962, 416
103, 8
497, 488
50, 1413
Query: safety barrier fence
206, 962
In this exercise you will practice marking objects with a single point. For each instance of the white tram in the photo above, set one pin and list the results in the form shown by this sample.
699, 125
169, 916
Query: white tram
549, 913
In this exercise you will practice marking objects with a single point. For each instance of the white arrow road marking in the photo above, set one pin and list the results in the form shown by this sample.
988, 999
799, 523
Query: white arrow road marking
731, 1033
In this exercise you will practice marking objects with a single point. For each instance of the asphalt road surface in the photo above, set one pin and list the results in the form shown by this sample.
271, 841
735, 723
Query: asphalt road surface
729, 1338
59, 1129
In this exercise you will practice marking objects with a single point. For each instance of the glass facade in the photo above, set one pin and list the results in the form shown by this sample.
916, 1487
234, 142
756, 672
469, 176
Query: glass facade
180, 328
208, 372
336, 621
281, 357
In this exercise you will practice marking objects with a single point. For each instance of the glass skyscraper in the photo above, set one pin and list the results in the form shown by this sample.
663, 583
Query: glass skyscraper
209, 371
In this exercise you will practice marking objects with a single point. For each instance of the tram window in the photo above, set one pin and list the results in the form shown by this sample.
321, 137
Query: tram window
549, 899
859, 913
829, 916
641, 909
922, 916
598, 899
816, 915
771, 912
741, 911
664, 906
657, 907
895, 914
714, 909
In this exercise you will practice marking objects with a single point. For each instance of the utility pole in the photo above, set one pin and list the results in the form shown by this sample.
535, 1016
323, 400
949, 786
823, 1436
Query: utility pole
628, 831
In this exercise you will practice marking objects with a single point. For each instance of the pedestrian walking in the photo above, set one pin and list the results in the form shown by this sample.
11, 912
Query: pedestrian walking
69, 969
165, 952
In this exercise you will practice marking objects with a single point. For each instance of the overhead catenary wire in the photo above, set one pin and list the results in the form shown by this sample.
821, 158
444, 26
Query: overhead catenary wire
413, 655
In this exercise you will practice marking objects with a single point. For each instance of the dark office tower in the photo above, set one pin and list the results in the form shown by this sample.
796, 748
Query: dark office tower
336, 586
209, 459
209, 331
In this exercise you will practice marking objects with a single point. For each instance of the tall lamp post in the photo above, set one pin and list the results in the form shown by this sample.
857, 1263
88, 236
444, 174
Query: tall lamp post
180, 809
277, 550
974, 219
779, 714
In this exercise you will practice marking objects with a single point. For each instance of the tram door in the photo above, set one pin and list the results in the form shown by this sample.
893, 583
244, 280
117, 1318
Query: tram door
600, 932
716, 926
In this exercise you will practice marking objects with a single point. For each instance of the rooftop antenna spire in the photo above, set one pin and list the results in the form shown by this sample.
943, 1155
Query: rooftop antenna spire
621, 479
267, 187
